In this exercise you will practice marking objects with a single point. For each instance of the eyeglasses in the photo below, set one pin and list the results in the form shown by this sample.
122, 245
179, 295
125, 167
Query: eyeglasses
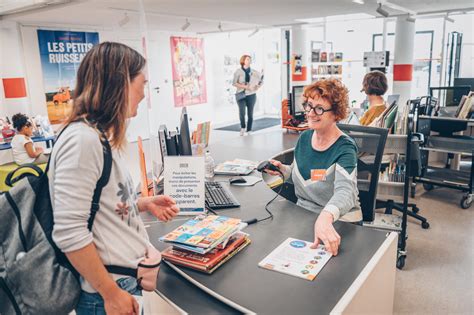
317, 110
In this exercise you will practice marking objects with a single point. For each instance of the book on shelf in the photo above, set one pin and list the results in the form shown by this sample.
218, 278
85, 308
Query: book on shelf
331, 57
384, 221
315, 55
338, 57
210, 261
323, 57
466, 106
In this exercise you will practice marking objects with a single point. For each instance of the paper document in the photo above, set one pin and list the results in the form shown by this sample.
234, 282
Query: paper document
296, 258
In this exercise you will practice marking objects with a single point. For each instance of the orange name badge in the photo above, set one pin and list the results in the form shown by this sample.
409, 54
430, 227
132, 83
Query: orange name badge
318, 175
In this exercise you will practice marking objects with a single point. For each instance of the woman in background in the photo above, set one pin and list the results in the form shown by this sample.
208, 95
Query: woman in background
375, 86
247, 81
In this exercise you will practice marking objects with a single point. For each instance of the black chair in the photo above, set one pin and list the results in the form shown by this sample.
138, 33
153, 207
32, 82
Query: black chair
370, 143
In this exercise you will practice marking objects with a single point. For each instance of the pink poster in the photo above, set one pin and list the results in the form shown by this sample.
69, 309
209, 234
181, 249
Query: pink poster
189, 75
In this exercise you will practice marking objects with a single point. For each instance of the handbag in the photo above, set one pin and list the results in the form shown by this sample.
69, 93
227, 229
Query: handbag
240, 95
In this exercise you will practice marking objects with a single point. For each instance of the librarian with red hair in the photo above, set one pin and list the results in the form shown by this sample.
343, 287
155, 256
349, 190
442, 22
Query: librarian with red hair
324, 169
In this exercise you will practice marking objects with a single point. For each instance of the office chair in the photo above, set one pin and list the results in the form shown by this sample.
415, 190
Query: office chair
370, 143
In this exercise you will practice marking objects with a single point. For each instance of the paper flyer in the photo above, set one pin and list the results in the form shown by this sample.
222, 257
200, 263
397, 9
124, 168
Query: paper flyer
296, 258
184, 182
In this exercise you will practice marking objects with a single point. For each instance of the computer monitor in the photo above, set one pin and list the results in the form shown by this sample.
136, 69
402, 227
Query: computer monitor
464, 82
297, 101
184, 139
449, 95
393, 98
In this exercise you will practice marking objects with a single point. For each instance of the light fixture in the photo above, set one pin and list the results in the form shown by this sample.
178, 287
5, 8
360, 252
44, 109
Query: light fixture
185, 25
123, 21
381, 11
255, 31
219, 27
411, 18
358, 1
447, 18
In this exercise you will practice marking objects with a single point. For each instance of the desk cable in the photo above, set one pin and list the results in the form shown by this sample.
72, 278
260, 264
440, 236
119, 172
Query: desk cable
270, 214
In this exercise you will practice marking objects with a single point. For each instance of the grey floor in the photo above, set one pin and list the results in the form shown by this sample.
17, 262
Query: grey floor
438, 277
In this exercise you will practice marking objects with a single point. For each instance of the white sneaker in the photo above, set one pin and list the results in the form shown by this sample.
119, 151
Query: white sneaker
242, 132
249, 133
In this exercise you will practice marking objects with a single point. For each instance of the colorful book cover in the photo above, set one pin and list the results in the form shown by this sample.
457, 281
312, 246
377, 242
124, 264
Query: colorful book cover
203, 231
202, 262
324, 56
338, 56
206, 261
296, 258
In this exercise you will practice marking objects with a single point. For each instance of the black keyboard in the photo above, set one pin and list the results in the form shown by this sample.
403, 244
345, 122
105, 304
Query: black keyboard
219, 196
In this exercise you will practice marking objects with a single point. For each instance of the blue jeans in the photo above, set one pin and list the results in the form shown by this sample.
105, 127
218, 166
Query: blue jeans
93, 304
247, 103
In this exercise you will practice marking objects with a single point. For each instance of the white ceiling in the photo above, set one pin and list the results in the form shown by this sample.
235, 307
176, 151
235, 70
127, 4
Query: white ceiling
204, 15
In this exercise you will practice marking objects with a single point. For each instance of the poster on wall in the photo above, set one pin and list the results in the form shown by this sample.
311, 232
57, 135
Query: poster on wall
61, 53
189, 75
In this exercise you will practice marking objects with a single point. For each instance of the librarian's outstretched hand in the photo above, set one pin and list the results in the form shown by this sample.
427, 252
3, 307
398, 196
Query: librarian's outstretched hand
324, 232
163, 207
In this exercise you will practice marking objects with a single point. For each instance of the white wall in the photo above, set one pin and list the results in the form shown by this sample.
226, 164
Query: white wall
11, 66
219, 108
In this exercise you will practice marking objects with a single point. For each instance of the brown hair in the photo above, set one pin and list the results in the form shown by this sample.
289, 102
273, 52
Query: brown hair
333, 91
375, 83
242, 59
102, 88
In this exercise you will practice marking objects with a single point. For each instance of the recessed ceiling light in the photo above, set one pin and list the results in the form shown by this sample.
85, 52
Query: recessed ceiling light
358, 1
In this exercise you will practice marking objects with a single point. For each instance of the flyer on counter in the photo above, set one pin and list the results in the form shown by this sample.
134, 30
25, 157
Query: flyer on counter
296, 258
184, 182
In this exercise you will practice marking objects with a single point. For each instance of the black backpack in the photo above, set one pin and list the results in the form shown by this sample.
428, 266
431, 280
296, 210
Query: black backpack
35, 276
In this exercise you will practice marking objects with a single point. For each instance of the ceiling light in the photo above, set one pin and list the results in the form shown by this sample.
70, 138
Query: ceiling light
219, 27
410, 18
381, 11
255, 31
447, 18
185, 25
123, 21
358, 1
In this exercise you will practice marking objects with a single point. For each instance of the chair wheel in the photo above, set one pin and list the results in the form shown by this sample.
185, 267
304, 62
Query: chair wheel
428, 187
425, 225
466, 202
401, 262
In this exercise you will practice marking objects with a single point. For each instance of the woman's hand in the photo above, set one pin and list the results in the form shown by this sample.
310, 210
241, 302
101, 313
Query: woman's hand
277, 164
163, 207
118, 301
324, 232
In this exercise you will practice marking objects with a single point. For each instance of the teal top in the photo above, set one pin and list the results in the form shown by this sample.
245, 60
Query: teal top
333, 187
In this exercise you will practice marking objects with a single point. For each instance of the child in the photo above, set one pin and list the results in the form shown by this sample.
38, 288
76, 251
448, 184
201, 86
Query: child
22, 146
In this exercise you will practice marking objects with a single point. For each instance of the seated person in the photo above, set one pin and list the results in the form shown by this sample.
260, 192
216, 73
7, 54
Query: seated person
375, 86
22, 146
324, 169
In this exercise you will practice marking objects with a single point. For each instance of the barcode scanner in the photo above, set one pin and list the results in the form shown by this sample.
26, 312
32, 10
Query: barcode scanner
266, 165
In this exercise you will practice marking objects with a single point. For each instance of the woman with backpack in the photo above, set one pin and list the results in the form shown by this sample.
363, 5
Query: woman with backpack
110, 85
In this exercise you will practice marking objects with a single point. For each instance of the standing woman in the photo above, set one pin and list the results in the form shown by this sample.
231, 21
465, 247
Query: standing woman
110, 85
247, 81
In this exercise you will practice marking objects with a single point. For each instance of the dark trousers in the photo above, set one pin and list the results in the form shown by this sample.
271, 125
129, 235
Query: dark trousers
249, 103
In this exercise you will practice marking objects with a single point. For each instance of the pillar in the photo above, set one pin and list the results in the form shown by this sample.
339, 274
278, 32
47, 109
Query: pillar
403, 59
299, 55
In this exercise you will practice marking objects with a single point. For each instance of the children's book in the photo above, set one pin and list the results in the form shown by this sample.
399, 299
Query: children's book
203, 231
208, 261
295, 258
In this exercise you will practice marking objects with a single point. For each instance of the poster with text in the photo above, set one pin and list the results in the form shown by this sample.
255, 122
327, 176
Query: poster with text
189, 75
61, 53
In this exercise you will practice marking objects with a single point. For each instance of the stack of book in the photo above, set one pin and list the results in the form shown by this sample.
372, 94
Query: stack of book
205, 242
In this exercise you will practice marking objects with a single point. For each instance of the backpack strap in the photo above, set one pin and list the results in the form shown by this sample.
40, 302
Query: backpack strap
11, 179
103, 180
